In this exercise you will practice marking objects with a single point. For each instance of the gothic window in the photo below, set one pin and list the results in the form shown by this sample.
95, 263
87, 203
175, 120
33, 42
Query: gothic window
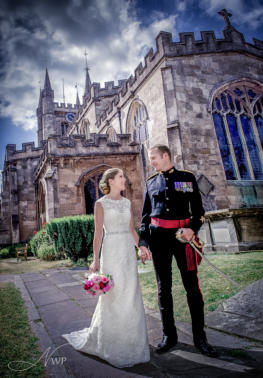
64, 128
84, 128
137, 126
238, 119
112, 135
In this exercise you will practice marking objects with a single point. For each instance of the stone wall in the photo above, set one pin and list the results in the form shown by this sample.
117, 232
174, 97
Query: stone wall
67, 163
195, 80
233, 230
18, 218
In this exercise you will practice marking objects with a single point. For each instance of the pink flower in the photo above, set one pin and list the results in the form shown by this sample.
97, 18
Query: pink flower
106, 288
97, 284
88, 284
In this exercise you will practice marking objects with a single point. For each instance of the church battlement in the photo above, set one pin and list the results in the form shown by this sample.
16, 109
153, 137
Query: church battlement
187, 45
78, 145
28, 150
109, 88
62, 105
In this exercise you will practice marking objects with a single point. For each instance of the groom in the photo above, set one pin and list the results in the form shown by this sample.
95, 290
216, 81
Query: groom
168, 196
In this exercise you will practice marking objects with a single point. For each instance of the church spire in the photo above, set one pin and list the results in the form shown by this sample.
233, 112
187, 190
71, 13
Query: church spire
77, 97
47, 84
87, 81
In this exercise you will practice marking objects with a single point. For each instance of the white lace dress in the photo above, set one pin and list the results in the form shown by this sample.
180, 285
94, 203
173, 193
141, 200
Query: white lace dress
118, 332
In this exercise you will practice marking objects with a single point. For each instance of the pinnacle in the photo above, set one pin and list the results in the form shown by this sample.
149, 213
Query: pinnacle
47, 84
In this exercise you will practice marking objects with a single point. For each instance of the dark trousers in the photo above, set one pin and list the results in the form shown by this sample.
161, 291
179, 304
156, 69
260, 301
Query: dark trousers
164, 246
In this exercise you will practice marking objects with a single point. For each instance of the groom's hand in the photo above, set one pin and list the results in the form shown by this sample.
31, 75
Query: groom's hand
187, 234
144, 254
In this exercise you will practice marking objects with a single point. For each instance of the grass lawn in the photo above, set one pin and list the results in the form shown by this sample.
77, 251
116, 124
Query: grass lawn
33, 264
17, 341
244, 268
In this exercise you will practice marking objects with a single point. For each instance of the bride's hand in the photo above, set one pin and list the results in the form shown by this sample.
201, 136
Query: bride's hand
95, 266
144, 254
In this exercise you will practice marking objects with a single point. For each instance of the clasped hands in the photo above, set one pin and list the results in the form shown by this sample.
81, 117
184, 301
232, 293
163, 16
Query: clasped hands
144, 254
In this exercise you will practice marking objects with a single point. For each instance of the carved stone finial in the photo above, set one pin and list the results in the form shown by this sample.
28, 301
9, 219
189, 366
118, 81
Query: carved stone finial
226, 16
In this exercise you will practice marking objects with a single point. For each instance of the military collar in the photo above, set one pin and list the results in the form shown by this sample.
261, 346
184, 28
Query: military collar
169, 171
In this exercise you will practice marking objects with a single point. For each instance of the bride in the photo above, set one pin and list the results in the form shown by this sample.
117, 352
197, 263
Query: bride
118, 332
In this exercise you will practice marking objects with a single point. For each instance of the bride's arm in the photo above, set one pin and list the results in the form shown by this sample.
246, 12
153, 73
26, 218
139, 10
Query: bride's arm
98, 233
133, 231
146, 255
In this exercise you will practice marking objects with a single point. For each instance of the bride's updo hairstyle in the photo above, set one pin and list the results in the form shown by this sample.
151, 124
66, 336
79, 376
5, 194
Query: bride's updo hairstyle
107, 175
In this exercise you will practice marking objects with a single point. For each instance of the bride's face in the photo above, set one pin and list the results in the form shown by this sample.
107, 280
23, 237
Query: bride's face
118, 182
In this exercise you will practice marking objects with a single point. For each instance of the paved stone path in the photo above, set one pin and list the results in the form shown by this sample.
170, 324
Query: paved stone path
56, 303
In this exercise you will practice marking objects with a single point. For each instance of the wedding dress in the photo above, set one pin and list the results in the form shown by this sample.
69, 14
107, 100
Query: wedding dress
118, 332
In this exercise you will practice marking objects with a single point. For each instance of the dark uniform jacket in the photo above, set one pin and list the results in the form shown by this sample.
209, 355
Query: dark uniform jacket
173, 195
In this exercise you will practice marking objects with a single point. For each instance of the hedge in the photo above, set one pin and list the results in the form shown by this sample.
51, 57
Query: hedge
72, 235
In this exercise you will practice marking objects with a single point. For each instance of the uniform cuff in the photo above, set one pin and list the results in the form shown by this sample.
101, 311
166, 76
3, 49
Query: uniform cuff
143, 243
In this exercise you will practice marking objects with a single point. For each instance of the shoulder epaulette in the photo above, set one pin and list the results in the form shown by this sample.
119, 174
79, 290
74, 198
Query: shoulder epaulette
185, 170
152, 176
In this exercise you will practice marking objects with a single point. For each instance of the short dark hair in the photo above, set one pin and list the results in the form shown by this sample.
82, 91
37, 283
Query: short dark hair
162, 148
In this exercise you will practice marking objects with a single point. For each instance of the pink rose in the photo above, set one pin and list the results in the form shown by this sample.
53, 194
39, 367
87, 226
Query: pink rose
104, 279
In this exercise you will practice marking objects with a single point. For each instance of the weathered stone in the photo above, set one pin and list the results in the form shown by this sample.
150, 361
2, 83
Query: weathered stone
174, 90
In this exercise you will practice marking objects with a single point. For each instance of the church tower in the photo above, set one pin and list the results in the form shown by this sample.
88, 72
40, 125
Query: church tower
45, 112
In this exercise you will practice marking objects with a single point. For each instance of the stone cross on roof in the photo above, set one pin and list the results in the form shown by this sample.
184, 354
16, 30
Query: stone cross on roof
226, 16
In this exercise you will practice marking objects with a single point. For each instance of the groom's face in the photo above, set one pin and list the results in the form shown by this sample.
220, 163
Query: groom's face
157, 160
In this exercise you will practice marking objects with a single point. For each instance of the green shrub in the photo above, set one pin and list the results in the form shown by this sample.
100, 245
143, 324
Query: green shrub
10, 251
40, 238
47, 252
4, 253
73, 235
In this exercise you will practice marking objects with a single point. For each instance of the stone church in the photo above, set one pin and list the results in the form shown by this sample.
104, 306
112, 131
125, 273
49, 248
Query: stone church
203, 98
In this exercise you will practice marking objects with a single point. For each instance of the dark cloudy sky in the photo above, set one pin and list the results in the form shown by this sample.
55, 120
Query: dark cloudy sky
116, 34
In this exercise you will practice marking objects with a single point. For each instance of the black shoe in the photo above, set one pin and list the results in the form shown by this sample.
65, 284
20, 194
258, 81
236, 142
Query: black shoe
205, 348
166, 344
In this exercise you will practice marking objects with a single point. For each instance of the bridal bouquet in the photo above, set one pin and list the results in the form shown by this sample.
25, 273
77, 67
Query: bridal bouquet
97, 284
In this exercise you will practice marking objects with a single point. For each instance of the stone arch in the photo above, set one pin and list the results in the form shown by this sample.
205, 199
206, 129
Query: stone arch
237, 111
112, 135
137, 126
225, 84
88, 184
132, 109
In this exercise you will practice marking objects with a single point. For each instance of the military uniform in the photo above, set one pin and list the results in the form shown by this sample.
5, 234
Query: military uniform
172, 200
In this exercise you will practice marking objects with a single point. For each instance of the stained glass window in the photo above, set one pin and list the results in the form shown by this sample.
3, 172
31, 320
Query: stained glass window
238, 119
224, 147
137, 126
140, 128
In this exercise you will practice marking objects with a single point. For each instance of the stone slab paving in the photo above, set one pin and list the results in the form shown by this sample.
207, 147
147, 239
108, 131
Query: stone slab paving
57, 304
242, 314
